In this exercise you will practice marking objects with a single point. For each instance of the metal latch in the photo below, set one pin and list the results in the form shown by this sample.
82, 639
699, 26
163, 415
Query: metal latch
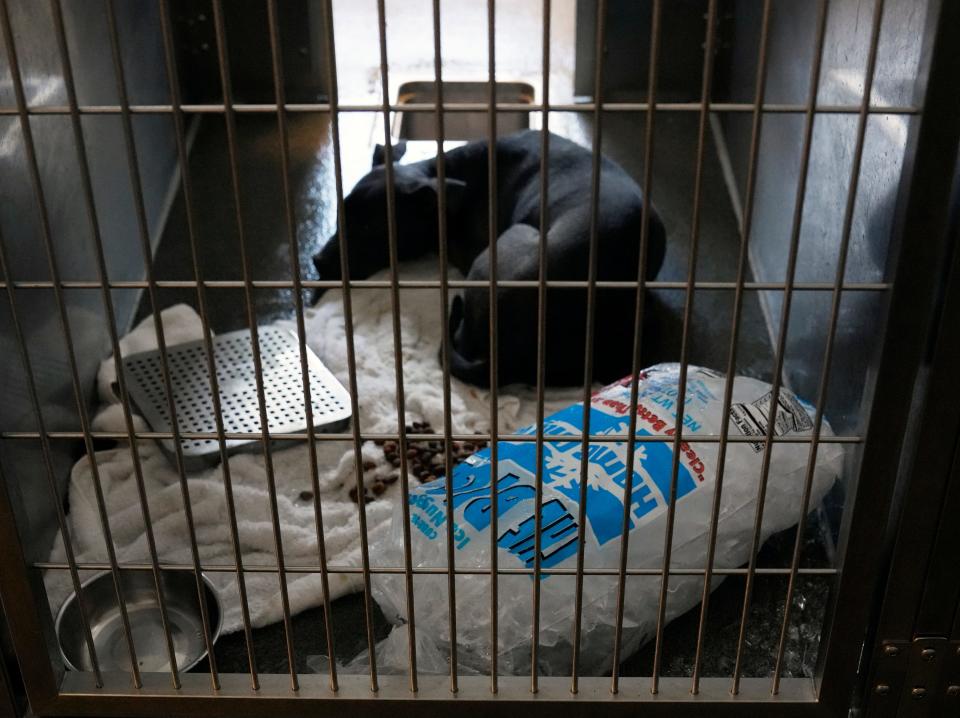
916, 679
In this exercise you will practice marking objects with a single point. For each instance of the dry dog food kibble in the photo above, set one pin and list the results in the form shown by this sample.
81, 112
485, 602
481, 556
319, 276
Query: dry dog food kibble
425, 460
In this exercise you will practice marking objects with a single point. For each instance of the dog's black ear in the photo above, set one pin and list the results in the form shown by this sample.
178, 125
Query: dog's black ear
399, 149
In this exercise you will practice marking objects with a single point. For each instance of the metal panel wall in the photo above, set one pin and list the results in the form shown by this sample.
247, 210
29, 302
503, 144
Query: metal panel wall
626, 49
86, 26
841, 81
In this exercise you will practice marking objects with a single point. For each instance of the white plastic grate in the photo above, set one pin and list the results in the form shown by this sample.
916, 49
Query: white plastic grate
282, 382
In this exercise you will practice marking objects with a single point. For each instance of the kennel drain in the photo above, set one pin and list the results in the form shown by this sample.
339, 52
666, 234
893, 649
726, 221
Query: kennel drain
233, 356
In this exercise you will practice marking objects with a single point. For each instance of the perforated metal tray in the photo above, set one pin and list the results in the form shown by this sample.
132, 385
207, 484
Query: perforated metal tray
233, 356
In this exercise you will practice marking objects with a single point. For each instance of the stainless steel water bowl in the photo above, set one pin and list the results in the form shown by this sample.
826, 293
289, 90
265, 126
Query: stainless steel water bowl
140, 597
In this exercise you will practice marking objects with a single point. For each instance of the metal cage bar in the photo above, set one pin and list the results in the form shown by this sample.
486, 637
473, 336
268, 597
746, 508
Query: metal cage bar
588, 337
824, 383
152, 284
586, 107
656, 12
133, 166
433, 570
541, 348
333, 91
278, 83
814, 87
594, 438
397, 347
473, 699
442, 241
451, 284
230, 122
708, 58
494, 371
186, 187
746, 226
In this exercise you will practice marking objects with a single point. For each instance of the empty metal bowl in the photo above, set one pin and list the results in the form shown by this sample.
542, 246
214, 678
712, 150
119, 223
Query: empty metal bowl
140, 597
461, 125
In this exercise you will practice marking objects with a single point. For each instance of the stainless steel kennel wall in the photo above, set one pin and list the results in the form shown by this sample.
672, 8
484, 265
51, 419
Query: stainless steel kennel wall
922, 202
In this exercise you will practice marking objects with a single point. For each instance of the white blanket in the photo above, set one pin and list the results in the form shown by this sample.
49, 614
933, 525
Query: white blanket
373, 332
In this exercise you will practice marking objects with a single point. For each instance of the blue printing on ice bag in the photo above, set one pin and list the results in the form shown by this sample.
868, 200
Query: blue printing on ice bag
561, 468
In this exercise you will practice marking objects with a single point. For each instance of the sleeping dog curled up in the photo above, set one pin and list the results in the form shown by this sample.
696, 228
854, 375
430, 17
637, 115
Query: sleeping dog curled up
621, 206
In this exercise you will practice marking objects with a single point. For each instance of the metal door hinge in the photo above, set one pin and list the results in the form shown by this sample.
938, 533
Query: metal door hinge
915, 679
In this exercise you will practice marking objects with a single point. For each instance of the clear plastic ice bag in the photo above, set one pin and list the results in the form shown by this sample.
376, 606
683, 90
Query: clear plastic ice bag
560, 532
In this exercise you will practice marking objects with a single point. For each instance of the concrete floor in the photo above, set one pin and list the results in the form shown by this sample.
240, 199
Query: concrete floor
311, 176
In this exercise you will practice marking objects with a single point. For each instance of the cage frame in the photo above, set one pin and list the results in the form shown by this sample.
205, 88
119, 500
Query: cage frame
924, 206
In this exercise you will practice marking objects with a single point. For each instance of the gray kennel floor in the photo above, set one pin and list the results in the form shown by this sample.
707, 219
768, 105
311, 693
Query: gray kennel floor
312, 184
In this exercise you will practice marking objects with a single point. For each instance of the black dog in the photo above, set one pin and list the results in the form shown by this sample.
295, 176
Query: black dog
621, 208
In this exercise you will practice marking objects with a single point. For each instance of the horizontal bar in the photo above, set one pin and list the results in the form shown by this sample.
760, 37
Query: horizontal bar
453, 284
267, 108
594, 438
429, 570
79, 696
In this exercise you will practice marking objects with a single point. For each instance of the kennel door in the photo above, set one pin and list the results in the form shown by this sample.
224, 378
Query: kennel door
914, 668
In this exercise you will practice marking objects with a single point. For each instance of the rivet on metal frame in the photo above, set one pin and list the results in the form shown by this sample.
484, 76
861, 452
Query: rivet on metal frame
928, 654
918, 693
882, 689
891, 650
953, 690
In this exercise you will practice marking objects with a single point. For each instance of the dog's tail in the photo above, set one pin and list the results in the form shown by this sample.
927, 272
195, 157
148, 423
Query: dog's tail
472, 371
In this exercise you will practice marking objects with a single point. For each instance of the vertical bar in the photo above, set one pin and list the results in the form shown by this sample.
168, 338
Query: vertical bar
280, 95
224, 61
810, 116
125, 402
34, 170
45, 442
494, 372
397, 345
831, 332
348, 328
706, 88
541, 341
746, 220
187, 187
144, 234
655, 15
445, 343
588, 338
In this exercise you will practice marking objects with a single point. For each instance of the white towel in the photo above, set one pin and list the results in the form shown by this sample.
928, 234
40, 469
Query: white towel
373, 333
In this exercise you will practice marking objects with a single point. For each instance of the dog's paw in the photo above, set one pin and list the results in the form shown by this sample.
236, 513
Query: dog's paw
327, 262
